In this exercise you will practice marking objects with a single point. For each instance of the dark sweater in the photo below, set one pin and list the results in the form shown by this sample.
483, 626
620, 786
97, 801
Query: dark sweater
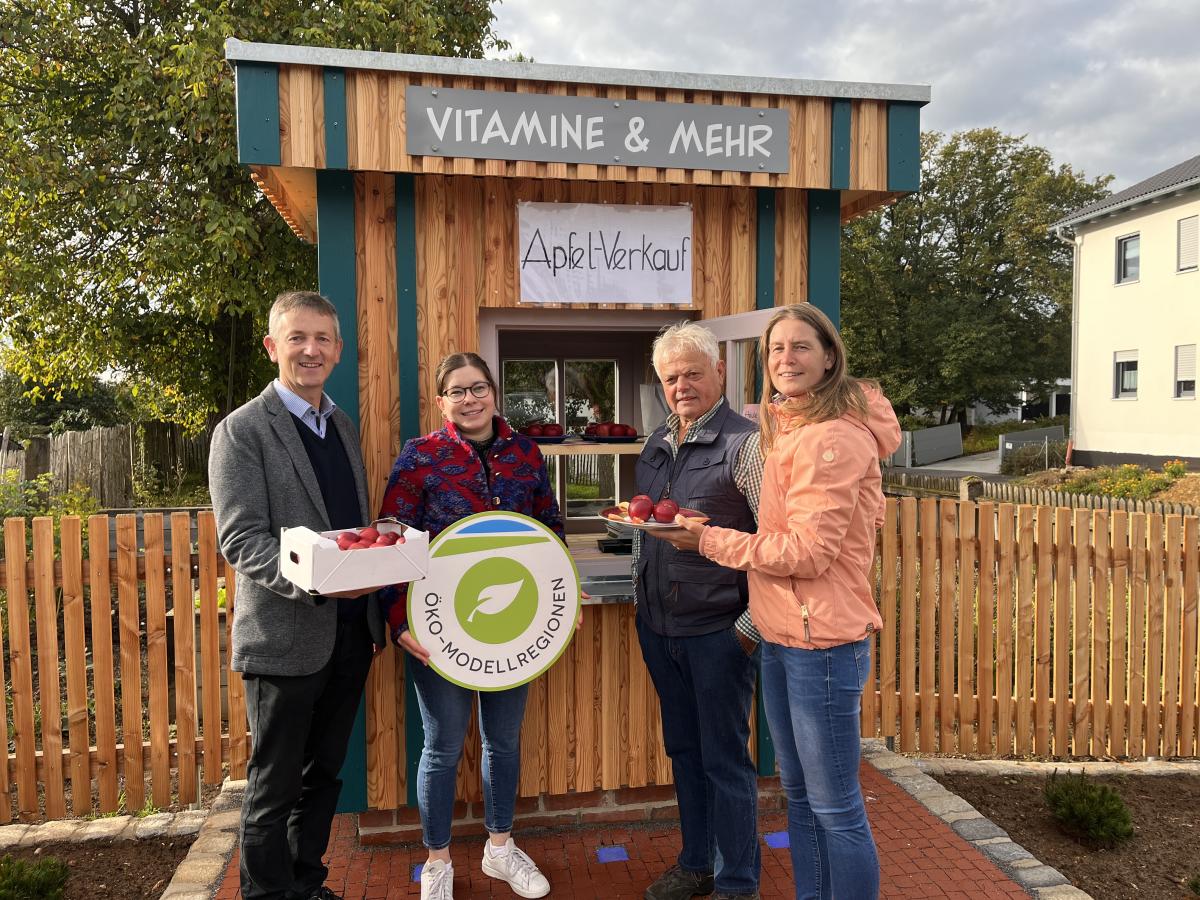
338, 490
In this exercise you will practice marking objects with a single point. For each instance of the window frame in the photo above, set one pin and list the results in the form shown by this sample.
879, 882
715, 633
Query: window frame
1178, 392
1180, 268
1120, 368
1121, 273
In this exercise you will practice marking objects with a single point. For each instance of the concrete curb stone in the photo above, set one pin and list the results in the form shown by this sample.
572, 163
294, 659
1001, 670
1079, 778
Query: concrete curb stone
1040, 880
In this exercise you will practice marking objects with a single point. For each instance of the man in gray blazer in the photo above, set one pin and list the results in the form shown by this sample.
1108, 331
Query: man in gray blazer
287, 458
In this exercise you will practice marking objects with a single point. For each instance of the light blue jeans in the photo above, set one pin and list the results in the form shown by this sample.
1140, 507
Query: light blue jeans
446, 713
813, 699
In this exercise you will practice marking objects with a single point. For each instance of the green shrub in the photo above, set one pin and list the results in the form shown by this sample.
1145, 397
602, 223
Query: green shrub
981, 438
1027, 458
1089, 811
1194, 884
44, 879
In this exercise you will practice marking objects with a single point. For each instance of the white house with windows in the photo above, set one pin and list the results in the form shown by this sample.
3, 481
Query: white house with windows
1136, 322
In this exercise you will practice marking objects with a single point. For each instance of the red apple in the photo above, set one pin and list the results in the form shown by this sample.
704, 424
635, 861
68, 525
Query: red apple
387, 538
590, 428
553, 429
604, 429
368, 534
362, 545
665, 510
641, 507
346, 539
536, 430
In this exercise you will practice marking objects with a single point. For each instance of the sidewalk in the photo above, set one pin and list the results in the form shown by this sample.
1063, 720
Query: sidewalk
920, 854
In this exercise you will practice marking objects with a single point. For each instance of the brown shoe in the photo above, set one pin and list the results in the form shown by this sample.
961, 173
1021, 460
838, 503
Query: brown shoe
679, 884
754, 896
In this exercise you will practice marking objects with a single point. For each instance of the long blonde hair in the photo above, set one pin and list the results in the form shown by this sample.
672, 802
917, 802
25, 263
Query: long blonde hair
837, 393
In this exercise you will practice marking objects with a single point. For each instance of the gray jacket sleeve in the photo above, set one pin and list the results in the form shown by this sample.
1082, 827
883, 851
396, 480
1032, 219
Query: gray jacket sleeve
237, 479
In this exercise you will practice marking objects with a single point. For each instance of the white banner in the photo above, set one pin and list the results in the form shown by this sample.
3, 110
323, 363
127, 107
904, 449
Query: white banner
597, 253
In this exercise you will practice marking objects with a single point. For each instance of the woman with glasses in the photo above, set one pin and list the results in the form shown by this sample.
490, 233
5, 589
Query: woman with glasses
473, 463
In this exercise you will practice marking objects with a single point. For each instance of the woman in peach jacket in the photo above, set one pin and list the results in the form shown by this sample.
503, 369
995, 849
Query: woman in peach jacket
811, 595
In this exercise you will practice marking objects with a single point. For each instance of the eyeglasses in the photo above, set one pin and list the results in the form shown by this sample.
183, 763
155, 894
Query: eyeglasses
479, 389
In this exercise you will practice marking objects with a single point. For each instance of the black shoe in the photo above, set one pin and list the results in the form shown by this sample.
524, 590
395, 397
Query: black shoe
323, 893
679, 884
754, 896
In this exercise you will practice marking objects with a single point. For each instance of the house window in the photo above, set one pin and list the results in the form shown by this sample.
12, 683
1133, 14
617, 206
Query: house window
1125, 375
1185, 371
1128, 258
1188, 254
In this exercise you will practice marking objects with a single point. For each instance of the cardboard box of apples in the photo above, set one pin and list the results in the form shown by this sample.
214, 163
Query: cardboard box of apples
327, 562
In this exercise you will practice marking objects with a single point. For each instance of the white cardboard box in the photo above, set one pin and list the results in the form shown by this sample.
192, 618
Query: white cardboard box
312, 560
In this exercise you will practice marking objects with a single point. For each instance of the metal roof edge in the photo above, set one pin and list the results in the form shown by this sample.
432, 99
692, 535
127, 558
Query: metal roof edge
1129, 203
237, 50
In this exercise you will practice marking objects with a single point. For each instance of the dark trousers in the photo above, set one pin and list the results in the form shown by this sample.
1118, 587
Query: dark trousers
705, 686
299, 728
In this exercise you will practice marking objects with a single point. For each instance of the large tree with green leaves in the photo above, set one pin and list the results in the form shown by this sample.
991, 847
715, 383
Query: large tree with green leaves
961, 294
131, 241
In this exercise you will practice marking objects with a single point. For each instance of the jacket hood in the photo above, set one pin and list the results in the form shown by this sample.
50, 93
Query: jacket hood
881, 420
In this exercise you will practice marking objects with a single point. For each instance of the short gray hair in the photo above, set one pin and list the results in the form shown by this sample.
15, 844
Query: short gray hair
310, 300
684, 337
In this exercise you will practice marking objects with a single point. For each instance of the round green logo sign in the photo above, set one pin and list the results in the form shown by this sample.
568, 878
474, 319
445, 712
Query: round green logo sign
499, 603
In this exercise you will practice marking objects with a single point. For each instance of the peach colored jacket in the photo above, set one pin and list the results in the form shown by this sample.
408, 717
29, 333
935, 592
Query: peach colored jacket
810, 563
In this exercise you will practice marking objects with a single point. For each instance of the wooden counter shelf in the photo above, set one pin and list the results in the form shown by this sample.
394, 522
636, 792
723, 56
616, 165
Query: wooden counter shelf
586, 448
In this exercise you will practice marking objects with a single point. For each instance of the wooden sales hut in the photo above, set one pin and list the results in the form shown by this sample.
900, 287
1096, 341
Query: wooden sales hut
460, 205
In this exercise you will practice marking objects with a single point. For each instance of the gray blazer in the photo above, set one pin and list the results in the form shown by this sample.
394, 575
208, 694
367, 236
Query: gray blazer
261, 481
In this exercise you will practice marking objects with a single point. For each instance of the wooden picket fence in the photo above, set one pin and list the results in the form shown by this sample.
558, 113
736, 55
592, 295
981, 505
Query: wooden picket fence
1008, 630
1036, 631
121, 729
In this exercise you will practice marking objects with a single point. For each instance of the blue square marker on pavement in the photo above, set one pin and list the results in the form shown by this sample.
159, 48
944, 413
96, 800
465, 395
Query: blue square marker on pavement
417, 871
777, 840
611, 854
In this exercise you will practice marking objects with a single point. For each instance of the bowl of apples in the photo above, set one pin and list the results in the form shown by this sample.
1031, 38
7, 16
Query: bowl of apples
645, 514
610, 433
544, 432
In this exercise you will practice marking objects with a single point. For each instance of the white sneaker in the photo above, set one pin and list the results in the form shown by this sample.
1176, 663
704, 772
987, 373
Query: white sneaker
437, 880
511, 864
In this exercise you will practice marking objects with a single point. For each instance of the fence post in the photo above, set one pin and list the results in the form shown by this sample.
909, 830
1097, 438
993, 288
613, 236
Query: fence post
37, 457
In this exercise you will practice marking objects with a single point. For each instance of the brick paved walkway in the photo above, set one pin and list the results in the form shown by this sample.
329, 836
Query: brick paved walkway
920, 856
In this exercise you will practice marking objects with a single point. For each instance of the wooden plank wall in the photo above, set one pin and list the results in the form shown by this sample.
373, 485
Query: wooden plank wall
376, 135
467, 248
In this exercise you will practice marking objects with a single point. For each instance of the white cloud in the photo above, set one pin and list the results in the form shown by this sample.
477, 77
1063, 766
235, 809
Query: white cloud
1107, 87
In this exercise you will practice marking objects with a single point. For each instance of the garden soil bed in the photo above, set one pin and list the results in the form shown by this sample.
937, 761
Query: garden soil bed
1156, 864
120, 870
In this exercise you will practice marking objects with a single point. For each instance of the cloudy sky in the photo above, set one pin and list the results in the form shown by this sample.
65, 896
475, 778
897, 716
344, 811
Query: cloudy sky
1108, 87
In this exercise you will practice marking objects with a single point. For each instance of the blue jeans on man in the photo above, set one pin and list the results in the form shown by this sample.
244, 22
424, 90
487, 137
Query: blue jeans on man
705, 685
813, 700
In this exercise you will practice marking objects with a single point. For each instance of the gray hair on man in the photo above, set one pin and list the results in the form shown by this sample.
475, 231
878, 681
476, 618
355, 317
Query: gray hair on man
684, 337
310, 300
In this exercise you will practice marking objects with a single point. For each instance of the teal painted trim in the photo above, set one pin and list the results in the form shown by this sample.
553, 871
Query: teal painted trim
824, 253
338, 281
764, 273
414, 730
904, 147
258, 113
406, 305
336, 154
410, 423
766, 745
839, 146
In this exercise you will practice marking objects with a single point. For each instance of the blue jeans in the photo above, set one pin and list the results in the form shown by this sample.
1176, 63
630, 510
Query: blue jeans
813, 698
446, 713
705, 685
